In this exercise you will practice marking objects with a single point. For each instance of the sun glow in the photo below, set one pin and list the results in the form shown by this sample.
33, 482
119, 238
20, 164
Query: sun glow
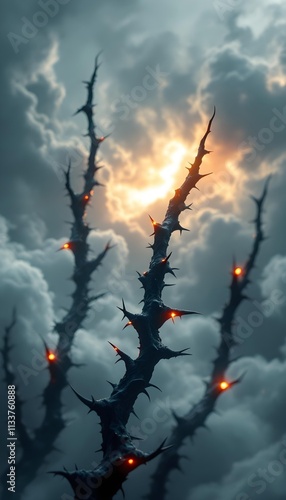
132, 190
174, 153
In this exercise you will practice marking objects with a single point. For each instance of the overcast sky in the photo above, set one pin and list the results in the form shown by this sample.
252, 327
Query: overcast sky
164, 66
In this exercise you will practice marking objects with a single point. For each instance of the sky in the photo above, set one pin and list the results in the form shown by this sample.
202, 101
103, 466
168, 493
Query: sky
165, 65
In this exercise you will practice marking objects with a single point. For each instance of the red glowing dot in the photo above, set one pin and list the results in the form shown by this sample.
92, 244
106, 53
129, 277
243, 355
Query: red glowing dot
238, 271
224, 385
153, 221
86, 197
66, 246
51, 356
131, 461
173, 314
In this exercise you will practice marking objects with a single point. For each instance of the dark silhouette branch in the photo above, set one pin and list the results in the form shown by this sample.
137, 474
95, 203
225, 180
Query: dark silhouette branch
187, 426
35, 449
10, 379
120, 455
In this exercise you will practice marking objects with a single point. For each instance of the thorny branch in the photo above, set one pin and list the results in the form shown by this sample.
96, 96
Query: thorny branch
120, 455
10, 379
36, 448
187, 425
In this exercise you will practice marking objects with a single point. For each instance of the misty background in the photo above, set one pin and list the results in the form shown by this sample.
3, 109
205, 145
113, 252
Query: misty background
164, 66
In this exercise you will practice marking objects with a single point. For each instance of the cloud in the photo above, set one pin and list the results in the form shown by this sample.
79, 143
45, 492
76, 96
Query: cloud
259, 476
274, 280
23, 286
236, 63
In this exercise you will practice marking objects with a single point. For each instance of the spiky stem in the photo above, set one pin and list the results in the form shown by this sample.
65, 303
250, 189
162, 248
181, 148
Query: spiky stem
35, 450
120, 454
10, 379
187, 426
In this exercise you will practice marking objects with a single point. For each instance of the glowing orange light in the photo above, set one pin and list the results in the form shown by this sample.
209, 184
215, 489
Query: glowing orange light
131, 461
129, 323
86, 197
154, 223
238, 271
51, 356
173, 314
224, 385
164, 260
66, 246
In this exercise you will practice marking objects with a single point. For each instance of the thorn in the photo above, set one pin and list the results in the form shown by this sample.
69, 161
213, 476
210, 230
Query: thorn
155, 386
136, 438
183, 352
134, 413
91, 404
146, 394
112, 385
123, 309
168, 353
201, 176
126, 313
170, 271
188, 207
154, 223
129, 323
178, 227
159, 450
165, 259
123, 356
66, 475
239, 379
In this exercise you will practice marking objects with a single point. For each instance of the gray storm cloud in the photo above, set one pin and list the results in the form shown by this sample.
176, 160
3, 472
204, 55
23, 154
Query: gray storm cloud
235, 60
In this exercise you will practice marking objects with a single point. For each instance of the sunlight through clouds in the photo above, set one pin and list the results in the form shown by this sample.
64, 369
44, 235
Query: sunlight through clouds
158, 183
